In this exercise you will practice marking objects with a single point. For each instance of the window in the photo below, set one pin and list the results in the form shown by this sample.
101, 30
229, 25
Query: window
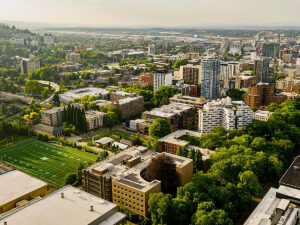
137, 194
142, 206
137, 199
125, 189
133, 197
115, 185
142, 200
137, 204
142, 196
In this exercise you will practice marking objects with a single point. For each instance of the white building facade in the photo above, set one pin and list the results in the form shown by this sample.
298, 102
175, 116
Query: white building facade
161, 78
224, 113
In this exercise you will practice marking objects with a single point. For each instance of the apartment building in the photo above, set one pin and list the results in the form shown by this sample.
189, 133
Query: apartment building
224, 113
262, 95
146, 78
68, 205
73, 57
239, 82
18, 189
80, 48
171, 142
210, 77
264, 71
48, 39
94, 119
52, 117
28, 64
270, 50
130, 106
178, 115
161, 78
261, 115
151, 49
120, 179
190, 73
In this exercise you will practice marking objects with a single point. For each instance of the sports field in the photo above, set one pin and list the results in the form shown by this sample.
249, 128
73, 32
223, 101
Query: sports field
45, 161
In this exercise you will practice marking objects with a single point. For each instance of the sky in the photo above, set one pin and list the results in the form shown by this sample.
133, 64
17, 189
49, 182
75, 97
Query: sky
152, 12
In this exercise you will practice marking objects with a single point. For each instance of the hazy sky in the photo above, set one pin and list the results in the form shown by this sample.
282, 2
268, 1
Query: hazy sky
152, 12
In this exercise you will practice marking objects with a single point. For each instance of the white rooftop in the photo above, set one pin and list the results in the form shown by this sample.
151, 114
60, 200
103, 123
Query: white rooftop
104, 140
80, 93
15, 184
166, 111
74, 208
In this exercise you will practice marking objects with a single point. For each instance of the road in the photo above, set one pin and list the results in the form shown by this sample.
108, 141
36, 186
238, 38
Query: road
56, 88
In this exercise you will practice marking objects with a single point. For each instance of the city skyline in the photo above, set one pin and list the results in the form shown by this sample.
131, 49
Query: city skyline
158, 13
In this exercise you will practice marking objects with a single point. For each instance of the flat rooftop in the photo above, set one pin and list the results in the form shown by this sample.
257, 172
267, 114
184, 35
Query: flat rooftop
173, 138
167, 111
15, 184
189, 99
118, 169
291, 177
74, 208
80, 93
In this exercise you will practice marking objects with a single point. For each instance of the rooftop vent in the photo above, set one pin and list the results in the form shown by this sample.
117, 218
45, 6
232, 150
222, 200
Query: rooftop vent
92, 208
62, 195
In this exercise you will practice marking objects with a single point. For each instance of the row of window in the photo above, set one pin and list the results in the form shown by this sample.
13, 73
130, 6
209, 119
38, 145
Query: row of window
129, 195
125, 189
130, 206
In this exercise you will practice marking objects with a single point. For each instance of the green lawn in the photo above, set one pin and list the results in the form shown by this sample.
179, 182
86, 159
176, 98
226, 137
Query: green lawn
45, 161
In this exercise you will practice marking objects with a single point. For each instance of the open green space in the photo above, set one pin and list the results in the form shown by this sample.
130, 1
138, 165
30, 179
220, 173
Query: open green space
45, 161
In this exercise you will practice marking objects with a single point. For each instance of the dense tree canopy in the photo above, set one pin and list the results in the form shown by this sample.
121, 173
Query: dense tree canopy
159, 128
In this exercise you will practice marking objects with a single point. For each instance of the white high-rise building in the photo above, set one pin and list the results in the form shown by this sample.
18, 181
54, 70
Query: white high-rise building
48, 39
161, 78
224, 113
151, 49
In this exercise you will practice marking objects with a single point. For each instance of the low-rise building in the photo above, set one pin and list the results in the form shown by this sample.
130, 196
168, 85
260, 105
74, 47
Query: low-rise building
261, 115
224, 113
146, 78
178, 115
94, 119
171, 142
73, 57
68, 205
120, 178
65, 97
18, 188
197, 102
48, 130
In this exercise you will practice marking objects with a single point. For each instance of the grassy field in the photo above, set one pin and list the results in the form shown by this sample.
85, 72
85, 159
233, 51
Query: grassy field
45, 161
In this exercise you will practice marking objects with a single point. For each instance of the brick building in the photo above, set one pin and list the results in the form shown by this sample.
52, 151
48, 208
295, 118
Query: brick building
176, 114
262, 95
146, 78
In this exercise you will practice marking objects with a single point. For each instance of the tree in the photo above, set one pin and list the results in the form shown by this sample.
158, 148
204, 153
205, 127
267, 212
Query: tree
3, 109
71, 179
163, 168
56, 99
45, 93
185, 152
236, 94
179, 151
156, 146
249, 181
198, 163
159, 128
149, 146
160, 208
33, 87
110, 119
179, 63
162, 94
207, 214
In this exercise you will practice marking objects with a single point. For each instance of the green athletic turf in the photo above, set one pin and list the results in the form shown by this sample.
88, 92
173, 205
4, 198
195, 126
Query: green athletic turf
45, 161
